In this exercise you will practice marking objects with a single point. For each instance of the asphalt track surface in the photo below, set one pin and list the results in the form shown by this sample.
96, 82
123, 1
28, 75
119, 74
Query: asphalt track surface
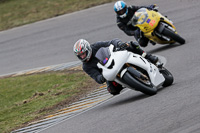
175, 109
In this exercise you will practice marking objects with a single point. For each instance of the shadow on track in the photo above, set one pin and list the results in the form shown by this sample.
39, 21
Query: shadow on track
163, 48
127, 100
134, 98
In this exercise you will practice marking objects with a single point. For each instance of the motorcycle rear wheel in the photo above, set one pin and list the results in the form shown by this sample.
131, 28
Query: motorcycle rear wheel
174, 36
144, 88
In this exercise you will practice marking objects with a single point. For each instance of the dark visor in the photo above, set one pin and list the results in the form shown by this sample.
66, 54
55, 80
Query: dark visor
121, 12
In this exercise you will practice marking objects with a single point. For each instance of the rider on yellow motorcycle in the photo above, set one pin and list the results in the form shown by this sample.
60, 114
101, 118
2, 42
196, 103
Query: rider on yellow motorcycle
124, 15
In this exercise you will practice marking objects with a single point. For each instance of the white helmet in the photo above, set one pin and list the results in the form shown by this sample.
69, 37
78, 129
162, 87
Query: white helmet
83, 50
121, 9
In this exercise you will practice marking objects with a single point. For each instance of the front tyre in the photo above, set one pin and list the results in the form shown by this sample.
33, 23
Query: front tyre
167, 32
146, 89
169, 79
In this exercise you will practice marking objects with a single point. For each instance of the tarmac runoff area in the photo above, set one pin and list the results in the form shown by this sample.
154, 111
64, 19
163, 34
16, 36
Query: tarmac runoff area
97, 97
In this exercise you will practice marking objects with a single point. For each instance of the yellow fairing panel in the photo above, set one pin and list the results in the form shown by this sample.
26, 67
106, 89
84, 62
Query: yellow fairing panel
149, 19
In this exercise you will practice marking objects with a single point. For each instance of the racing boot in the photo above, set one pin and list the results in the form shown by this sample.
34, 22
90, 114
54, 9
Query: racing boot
153, 59
114, 88
135, 48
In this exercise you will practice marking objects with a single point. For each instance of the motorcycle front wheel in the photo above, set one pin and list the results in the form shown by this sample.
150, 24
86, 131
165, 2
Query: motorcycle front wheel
173, 35
169, 79
147, 89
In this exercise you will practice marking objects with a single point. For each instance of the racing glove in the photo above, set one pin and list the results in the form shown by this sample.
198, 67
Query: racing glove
102, 79
152, 7
123, 45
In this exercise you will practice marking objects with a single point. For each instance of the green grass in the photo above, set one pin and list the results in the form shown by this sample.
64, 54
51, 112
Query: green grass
26, 98
19, 12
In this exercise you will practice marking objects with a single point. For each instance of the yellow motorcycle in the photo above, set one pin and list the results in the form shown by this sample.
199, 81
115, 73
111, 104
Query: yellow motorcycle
156, 27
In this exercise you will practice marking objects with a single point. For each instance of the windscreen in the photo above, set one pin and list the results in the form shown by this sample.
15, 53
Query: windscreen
140, 16
103, 54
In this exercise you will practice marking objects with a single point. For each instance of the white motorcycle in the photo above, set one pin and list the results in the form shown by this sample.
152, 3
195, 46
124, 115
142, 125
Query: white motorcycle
132, 70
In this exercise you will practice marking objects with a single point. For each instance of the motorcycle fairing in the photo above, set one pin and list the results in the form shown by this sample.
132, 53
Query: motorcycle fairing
119, 58
122, 57
148, 21
156, 78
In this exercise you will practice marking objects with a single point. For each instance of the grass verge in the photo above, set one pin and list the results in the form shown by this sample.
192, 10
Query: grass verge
29, 97
19, 12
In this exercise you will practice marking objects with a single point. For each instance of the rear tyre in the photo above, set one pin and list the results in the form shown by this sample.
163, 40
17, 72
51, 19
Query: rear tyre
169, 79
167, 32
131, 81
